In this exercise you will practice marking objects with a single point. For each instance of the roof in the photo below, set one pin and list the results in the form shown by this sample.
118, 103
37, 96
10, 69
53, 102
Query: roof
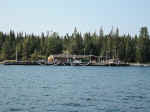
72, 56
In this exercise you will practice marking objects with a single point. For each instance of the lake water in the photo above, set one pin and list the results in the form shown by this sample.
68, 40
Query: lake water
74, 89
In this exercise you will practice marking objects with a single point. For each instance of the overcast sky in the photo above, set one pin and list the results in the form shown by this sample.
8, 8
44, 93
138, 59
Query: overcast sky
63, 15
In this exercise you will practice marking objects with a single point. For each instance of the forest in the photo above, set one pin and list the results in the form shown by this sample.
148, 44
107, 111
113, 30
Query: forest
34, 47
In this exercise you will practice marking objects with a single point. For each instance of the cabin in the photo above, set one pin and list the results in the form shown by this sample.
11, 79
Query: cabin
63, 58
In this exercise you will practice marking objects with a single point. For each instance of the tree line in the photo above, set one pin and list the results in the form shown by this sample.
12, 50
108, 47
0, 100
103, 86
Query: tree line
34, 47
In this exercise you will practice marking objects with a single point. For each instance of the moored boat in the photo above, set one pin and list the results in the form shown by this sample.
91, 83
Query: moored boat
22, 63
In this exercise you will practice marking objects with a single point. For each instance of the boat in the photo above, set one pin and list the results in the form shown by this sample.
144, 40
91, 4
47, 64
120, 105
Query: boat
79, 63
67, 64
59, 64
21, 63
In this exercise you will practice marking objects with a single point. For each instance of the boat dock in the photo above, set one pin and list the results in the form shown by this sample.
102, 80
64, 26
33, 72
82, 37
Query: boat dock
72, 60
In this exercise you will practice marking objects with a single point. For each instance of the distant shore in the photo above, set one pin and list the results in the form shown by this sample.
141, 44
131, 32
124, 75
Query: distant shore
130, 64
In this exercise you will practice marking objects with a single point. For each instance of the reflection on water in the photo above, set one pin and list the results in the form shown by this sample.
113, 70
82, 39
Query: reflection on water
74, 89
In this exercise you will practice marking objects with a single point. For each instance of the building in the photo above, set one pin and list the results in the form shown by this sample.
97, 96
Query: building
63, 58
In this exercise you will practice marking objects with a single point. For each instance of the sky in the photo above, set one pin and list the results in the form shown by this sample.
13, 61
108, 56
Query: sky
62, 16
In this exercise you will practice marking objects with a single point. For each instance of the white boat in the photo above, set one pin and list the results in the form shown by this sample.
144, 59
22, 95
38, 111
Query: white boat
79, 63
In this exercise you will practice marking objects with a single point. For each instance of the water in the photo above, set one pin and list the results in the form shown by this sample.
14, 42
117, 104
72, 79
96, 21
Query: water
74, 89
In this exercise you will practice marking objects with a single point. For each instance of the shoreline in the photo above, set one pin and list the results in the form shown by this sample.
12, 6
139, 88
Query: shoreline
140, 64
129, 64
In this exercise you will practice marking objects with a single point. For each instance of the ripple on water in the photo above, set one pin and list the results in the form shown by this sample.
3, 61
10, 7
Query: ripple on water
15, 109
133, 97
73, 111
51, 110
137, 107
73, 104
74, 89
46, 95
113, 110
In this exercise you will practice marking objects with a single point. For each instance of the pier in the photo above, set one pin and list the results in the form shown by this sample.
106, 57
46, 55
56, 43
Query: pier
84, 60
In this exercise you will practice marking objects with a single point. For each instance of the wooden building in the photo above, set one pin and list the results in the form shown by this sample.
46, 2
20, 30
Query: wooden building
63, 58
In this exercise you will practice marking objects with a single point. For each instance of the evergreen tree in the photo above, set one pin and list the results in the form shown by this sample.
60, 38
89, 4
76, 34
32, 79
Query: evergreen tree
125, 47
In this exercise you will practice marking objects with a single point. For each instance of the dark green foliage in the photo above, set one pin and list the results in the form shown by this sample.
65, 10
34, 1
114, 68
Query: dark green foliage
55, 45
33, 47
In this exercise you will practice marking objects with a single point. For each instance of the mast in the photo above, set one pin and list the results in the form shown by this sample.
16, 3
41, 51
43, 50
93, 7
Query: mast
16, 55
